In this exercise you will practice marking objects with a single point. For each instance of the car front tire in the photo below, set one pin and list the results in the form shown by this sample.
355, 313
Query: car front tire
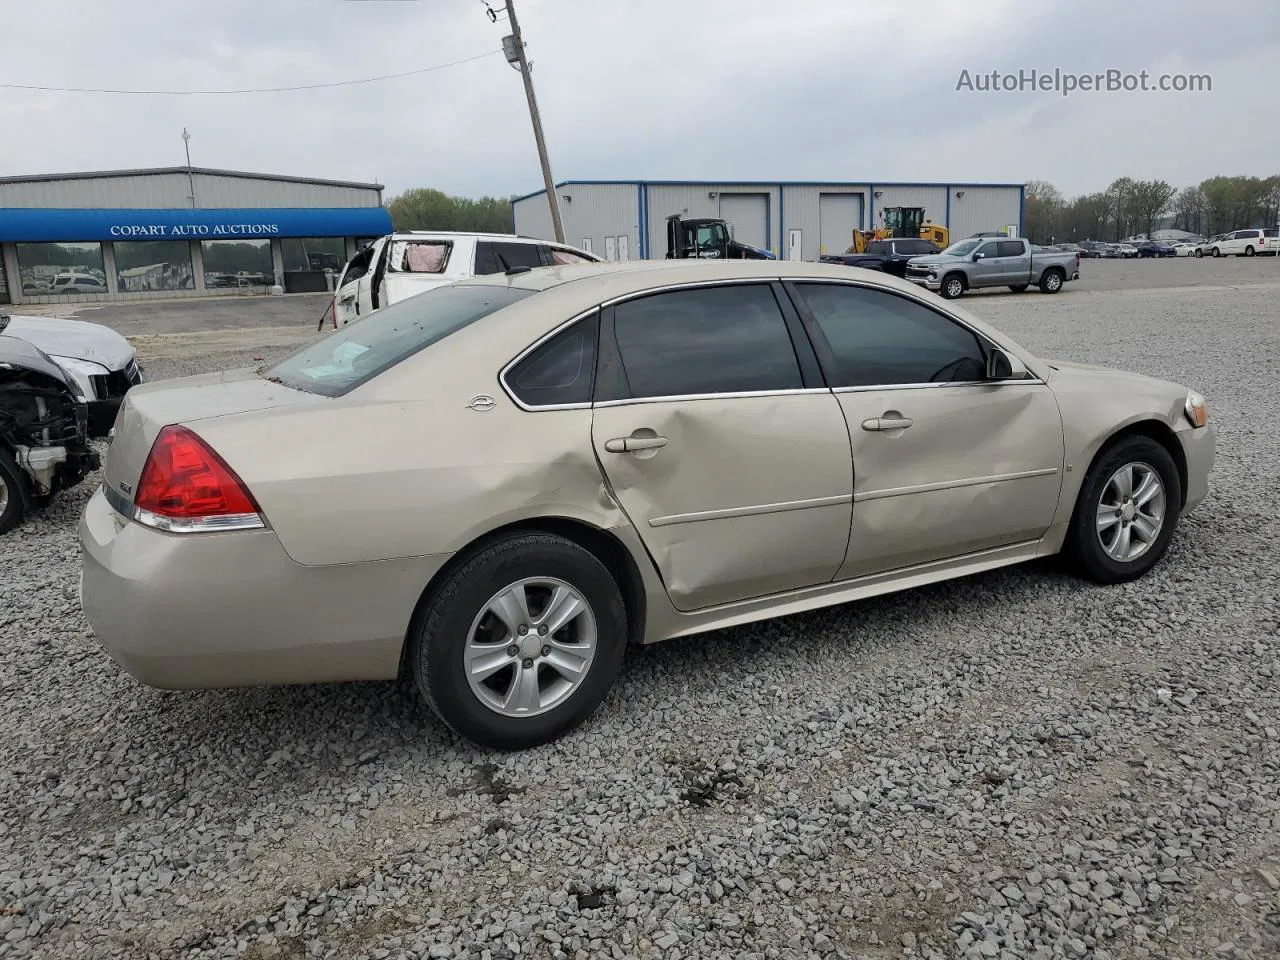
952, 287
1126, 512
521, 642
1249, 251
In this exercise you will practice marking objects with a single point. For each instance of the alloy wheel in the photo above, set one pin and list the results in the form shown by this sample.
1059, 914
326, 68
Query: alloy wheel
530, 647
1131, 512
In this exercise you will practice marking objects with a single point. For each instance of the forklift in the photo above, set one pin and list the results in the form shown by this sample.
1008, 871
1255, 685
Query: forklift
707, 239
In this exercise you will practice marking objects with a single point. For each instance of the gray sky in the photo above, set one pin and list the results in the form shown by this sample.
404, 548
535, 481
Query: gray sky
653, 89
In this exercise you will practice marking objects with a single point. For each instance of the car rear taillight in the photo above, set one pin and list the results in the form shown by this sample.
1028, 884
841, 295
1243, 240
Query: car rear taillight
187, 488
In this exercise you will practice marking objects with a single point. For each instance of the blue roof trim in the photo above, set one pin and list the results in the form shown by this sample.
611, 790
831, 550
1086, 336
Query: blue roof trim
42, 225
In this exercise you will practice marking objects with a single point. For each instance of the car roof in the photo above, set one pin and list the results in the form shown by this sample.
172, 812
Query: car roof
605, 281
454, 234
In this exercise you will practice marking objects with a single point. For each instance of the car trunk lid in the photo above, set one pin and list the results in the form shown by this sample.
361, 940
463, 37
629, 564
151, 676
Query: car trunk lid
191, 400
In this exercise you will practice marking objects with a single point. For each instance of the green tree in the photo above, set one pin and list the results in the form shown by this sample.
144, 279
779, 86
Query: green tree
1147, 202
427, 209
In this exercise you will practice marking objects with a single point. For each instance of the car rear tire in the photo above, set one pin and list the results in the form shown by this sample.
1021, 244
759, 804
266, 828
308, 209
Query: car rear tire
12, 492
1249, 251
1018, 287
1126, 512
1216, 252
521, 642
952, 286
1052, 280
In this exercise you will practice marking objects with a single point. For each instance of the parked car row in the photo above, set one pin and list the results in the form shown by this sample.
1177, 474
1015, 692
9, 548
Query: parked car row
1237, 243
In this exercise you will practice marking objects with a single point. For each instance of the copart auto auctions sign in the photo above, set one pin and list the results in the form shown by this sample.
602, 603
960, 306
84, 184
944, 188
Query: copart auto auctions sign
165, 230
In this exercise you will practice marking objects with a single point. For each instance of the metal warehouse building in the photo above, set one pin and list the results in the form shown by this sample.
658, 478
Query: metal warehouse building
626, 219
177, 231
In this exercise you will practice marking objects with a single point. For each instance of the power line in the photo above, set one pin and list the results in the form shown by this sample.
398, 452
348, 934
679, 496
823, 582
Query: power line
199, 93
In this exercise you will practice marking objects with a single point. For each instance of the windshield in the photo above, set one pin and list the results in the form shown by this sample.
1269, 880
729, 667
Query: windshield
358, 352
963, 248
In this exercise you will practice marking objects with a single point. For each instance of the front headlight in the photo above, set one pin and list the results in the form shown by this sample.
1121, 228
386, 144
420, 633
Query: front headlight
1196, 410
82, 372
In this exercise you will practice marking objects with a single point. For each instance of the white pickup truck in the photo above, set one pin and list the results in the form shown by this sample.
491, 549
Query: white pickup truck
402, 264
993, 262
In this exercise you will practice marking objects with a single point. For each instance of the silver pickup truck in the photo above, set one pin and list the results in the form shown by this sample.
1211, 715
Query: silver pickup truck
993, 262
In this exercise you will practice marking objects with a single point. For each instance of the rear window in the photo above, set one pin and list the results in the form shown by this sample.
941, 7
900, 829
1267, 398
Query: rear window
358, 352
419, 256
878, 247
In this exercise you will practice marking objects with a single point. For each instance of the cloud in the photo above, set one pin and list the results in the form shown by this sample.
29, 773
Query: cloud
808, 89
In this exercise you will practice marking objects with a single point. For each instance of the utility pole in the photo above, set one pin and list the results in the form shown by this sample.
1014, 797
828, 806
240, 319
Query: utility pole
513, 47
191, 180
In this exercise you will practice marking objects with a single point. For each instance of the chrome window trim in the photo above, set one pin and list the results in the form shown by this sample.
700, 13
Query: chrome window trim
743, 281
736, 395
534, 408
876, 388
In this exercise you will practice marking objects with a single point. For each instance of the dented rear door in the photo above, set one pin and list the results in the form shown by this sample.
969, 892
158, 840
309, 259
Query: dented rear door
732, 466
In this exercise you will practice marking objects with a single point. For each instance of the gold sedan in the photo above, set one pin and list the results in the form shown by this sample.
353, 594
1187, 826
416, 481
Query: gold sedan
499, 484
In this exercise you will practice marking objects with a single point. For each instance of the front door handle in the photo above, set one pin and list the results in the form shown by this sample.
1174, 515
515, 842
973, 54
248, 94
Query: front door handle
632, 444
887, 423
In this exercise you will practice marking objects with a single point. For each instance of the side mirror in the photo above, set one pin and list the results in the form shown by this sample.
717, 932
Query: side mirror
1004, 366
978, 256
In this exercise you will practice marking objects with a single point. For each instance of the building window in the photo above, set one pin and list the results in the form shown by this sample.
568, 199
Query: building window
48, 269
310, 254
237, 263
153, 265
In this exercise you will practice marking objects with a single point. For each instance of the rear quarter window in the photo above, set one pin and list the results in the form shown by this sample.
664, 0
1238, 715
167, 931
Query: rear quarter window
355, 354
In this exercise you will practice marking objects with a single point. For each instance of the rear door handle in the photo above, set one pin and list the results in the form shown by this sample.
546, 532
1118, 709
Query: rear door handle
887, 423
632, 444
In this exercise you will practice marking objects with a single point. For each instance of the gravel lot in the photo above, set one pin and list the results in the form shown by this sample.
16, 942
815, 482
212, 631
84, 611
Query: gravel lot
1016, 764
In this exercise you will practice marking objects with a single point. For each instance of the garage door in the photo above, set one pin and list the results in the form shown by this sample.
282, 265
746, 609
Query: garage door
747, 215
839, 214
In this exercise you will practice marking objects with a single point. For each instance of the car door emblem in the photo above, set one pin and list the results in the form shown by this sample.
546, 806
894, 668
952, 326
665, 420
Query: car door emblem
482, 403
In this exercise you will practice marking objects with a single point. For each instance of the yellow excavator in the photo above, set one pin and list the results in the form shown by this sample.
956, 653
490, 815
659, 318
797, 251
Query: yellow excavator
902, 222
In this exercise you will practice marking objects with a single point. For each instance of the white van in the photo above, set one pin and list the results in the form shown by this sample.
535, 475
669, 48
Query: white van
402, 264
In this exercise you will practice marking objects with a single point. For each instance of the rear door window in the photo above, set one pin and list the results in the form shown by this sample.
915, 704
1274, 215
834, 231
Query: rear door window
500, 256
1010, 248
726, 339
358, 352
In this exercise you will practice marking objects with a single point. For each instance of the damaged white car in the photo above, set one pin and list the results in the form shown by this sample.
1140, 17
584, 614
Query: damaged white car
100, 361
44, 430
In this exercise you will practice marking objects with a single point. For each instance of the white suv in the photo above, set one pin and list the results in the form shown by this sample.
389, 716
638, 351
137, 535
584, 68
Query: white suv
403, 264
1247, 243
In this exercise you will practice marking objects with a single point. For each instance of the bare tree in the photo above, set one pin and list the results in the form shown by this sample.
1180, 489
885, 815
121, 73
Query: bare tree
1188, 210
1042, 212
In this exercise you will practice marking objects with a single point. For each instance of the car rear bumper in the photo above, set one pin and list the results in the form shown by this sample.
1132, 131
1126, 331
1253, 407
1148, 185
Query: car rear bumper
1199, 447
232, 609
